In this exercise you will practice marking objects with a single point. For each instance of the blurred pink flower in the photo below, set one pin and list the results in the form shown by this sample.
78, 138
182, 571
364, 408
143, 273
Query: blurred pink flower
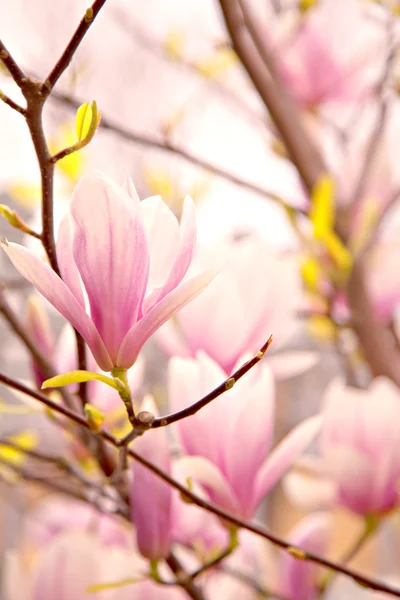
55, 515
123, 264
228, 440
38, 327
330, 54
299, 578
73, 562
150, 496
254, 296
359, 460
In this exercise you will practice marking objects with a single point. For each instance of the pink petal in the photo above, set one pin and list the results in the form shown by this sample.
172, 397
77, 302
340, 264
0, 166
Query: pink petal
60, 296
249, 425
163, 234
291, 364
110, 250
299, 577
309, 492
213, 481
67, 566
188, 381
207, 321
185, 251
171, 338
151, 497
284, 455
157, 316
68, 269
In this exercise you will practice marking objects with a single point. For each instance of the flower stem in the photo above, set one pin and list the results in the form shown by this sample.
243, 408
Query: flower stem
121, 379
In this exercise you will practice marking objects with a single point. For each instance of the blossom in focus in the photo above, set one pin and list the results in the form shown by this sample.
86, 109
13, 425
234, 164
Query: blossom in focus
359, 460
254, 296
323, 58
227, 441
123, 265
150, 496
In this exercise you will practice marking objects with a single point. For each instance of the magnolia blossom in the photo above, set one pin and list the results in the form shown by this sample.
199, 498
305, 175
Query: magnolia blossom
56, 515
298, 579
228, 440
123, 265
254, 296
359, 460
73, 562
330, 54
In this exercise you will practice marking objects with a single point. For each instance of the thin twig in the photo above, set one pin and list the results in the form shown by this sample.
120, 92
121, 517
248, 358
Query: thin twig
15, 71
218, 391
21, 333
11, 103
66, 57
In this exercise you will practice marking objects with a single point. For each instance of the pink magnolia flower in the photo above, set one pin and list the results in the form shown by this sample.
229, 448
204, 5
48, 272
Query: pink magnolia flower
151, 500
123, 265
330, 54
254, 296
228, 440
56, 515
359, 461
73, 562
299, 578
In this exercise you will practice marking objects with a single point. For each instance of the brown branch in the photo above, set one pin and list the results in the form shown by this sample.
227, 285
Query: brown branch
15, 71
280, 105
7, 100
21, 333
376, 340
183, 579
66, 57
218, 391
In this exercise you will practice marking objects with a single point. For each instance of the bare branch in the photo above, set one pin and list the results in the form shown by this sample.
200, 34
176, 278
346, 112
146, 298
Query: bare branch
218, 391
15, 71
11, 103
66, 57
183, 579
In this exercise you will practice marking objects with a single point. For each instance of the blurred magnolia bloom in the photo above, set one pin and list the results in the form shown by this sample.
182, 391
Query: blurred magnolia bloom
150, 496
332, 54
228, 440
129, 258
55, 515
71, 564
359, 451
298, 579
255, 295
